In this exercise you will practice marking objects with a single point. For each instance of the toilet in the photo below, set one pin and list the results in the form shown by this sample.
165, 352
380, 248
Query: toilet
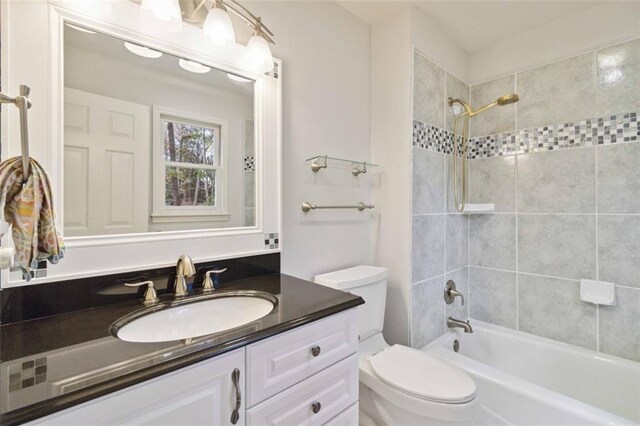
400, 385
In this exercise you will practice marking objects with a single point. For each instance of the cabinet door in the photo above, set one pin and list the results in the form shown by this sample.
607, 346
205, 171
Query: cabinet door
203, 394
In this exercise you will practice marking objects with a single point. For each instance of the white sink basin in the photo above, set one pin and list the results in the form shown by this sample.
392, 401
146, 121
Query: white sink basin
194, 317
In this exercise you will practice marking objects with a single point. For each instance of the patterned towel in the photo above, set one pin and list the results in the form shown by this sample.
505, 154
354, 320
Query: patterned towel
28, 208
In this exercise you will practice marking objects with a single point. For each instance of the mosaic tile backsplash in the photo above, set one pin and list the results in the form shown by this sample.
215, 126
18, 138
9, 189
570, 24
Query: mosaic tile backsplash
619, 128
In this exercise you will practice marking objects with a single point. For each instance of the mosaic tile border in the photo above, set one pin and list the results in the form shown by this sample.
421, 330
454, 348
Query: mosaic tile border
271, 241
433, 138
249, 163
619, 128
26, 374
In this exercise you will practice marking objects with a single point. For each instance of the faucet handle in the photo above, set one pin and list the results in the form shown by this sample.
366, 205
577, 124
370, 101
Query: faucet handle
208, 284
450, 293
150, 296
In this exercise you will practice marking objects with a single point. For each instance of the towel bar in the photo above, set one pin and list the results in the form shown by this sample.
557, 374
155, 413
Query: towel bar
307, 207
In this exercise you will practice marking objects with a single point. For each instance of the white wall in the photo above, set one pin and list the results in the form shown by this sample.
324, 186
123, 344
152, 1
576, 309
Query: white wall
391, 58
429, 38
580, 32
325, 53
103, 75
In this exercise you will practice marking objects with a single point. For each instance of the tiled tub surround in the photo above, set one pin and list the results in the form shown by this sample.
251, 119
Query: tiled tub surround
561, 214
439, 237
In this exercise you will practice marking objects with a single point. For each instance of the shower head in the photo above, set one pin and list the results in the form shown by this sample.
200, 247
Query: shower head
503, 100
508, 99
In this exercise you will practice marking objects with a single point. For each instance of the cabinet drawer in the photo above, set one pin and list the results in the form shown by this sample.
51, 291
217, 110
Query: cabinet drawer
334, 389
348, 417
284, 360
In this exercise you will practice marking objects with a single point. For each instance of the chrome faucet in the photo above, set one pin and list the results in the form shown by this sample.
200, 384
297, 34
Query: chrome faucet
454, 323
184, 268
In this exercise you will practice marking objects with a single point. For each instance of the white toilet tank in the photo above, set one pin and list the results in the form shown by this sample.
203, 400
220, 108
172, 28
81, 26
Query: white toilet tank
368, 282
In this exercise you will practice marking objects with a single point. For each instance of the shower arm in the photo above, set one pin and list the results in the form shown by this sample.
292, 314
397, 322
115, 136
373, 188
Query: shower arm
483, 109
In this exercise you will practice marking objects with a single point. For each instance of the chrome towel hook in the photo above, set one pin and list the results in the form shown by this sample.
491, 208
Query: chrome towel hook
23, 104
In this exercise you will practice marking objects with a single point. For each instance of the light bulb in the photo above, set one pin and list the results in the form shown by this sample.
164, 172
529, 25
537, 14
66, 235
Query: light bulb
167, 11
217, 26
195, 67
145, 52
259, 54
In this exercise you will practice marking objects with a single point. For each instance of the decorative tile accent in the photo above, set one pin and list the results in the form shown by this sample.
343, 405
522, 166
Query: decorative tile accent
610, 130
433, 138
249, 163
595, 131
275, 71
15, 272
271, 241
27, 374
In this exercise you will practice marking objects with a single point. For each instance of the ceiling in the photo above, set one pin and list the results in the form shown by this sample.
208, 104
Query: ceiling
475, 24
166, 65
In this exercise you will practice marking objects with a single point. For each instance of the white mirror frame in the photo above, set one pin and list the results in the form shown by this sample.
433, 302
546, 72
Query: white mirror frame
32, 54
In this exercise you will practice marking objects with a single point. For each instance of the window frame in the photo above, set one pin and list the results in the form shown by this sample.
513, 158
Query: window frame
160, 212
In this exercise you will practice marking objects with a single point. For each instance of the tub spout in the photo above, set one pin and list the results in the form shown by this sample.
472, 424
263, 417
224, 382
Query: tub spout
454, 323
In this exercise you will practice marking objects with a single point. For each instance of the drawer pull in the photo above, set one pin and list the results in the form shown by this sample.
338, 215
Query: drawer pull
235, 415
315, 407
315, 351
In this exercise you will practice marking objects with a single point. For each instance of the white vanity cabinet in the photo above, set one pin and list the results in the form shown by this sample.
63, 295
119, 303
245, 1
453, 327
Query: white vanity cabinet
308, 375
201, 394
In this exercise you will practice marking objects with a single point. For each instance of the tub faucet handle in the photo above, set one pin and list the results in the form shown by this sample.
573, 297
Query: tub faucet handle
450, 293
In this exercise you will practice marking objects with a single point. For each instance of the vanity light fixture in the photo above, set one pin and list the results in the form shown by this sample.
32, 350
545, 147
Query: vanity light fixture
260, 58
145, 52
167, 11
77, 28
195, 67
217, 26
235, 77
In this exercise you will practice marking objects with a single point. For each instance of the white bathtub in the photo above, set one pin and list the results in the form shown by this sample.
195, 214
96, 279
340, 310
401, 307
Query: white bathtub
524, 379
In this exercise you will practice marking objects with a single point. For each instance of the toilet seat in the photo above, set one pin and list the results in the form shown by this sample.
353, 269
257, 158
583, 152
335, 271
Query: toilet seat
415, 373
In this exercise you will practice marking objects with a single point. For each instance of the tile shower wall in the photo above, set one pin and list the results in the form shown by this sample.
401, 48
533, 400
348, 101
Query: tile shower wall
439, 236
562, 167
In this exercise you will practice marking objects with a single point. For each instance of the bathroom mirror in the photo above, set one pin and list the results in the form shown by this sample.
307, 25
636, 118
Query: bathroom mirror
153, 142
90, 81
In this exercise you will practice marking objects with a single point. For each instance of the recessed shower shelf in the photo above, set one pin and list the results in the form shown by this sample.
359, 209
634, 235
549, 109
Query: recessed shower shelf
479, 208
320, 162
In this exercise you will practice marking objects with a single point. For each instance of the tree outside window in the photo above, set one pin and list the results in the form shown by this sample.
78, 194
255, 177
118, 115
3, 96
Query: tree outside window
189, 180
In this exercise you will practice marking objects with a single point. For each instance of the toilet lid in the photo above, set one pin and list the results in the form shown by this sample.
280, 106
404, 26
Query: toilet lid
420, 375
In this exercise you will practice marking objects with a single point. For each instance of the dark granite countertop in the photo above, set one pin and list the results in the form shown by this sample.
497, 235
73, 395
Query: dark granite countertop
56, 362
